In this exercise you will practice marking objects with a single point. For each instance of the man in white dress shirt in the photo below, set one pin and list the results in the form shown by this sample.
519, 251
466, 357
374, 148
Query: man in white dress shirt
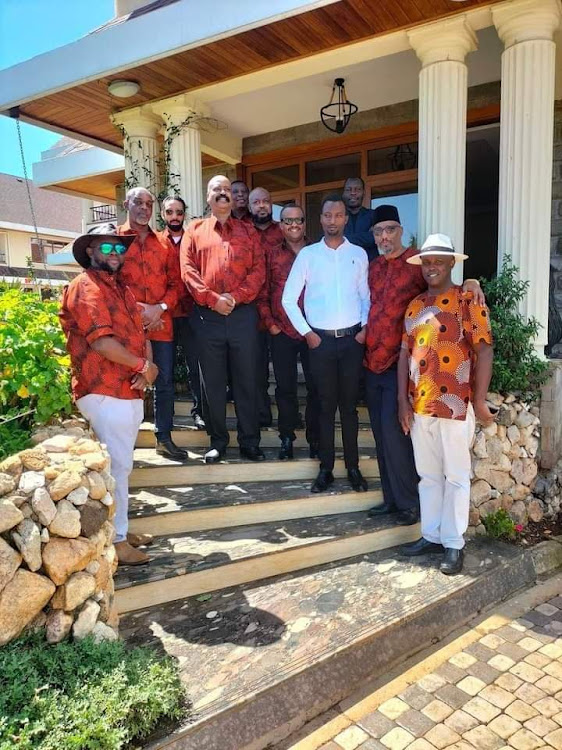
333, 274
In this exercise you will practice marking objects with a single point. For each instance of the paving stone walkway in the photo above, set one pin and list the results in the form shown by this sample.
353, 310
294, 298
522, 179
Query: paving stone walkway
502, 692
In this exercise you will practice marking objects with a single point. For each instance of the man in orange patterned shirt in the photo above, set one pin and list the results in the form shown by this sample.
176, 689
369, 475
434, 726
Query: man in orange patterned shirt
223, 266
444, 371
152, 274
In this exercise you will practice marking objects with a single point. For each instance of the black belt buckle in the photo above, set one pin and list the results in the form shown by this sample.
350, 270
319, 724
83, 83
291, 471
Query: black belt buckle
339, 333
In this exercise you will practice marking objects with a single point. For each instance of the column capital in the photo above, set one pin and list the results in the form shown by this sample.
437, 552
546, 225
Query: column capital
178, 109
138, 122
451, 39
526, 20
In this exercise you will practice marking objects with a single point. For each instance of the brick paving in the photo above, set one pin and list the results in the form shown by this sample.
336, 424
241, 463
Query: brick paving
503, 692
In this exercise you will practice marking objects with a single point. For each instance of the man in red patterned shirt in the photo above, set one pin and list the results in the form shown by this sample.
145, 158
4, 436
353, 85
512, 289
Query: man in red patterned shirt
240, 201
270, 237
173, 214
286, 343
393, 284
152, 273
111, 363
223, 266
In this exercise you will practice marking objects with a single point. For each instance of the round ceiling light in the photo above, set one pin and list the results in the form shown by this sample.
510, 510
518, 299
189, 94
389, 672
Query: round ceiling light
123, 89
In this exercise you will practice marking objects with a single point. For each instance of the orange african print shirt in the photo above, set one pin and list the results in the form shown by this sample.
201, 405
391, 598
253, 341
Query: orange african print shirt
440, 332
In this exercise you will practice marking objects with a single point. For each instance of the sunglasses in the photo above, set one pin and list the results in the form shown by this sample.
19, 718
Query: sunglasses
108, 247
299, 221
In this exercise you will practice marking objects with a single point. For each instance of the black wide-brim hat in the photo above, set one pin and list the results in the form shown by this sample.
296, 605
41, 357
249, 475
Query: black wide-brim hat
102, 231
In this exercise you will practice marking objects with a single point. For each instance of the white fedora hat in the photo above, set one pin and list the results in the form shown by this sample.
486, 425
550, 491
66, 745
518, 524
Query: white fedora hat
436, 244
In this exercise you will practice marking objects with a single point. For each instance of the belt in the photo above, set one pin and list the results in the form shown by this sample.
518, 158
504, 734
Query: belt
339, 333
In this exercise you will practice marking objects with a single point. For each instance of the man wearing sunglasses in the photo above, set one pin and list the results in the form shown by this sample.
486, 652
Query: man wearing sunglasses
111, 362
152, 273
287, 344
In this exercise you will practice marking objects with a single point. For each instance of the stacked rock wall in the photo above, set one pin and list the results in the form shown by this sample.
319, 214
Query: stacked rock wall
56, 538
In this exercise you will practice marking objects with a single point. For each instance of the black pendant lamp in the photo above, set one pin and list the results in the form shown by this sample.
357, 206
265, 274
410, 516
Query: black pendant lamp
338, 112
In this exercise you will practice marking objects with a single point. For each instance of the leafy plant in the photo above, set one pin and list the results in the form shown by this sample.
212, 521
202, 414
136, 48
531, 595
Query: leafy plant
517, 367
34, 370
499, 525
13, 438
83, 695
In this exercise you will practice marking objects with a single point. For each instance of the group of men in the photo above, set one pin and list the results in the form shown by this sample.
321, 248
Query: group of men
236, 286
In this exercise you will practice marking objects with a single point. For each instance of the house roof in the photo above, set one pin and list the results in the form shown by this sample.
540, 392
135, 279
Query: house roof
52, 210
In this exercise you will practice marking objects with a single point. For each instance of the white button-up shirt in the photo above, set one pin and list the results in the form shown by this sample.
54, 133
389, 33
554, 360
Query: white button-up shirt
336, 289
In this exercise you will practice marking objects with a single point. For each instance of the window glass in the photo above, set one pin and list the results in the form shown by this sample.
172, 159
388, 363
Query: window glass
278, 179
338, 168
407, 205
313, 203
393, 158
278, 205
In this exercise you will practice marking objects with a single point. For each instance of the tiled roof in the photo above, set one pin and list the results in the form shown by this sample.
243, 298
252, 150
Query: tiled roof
52, 210
23, 273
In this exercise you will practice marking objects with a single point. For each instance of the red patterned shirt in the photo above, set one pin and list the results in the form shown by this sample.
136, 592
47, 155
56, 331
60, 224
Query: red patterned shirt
216, 258
440, 333
151, 272
271, 238
185, 305
96, 304
393, 285
279, 262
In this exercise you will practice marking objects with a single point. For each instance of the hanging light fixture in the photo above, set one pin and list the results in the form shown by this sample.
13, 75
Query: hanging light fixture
337, 113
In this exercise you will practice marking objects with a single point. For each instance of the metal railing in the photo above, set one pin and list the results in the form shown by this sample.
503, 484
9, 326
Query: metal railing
103, 213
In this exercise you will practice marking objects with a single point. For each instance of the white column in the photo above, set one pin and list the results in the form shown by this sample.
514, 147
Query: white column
526, 28
141, 149
182, 151
442, 48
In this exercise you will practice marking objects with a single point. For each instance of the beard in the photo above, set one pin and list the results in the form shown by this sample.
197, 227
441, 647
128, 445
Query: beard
262, 219
103, 265
174, 226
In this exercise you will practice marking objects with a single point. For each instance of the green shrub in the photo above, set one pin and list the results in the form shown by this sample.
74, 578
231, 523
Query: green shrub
13, 438
34, 369
500, 525
517, 367
80, 695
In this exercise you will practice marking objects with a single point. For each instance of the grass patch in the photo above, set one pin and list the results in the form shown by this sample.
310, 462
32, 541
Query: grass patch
84, 696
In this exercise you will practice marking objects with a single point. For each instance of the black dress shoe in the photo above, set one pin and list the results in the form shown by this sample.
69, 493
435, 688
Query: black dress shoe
169, 449
313, 450
452, 562
286, 450
382, 510
323, 481
252, 454
421, 547
407, 517
213, 456
199, 422
357, 480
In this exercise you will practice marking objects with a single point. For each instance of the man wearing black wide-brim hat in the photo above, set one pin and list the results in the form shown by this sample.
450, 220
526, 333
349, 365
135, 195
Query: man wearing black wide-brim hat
111, 362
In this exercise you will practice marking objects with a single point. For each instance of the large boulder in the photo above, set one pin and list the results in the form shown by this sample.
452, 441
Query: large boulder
21, 600
10, 515
27, 539
66, 522
62, 557
65, 482
78, 588
10, 561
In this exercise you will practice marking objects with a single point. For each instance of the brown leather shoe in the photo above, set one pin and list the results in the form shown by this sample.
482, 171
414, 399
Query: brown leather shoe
140, 540
128, 555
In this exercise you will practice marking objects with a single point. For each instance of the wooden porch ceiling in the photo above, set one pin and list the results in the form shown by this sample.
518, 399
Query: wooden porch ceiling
84, 109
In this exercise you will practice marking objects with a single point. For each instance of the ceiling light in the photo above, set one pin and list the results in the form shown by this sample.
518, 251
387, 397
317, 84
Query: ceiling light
123, 89
337, 113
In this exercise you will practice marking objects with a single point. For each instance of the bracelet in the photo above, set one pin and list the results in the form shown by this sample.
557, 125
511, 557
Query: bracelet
145, 367
140, 364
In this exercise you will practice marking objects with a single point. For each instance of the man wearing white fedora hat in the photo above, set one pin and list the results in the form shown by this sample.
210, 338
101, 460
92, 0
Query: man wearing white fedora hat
444, 371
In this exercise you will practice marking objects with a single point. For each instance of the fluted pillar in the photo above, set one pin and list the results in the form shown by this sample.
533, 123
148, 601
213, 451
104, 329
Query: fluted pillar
442, 48
526, 28
182, 151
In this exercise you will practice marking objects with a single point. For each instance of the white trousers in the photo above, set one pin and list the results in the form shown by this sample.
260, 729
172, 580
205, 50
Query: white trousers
116, 422
442, 456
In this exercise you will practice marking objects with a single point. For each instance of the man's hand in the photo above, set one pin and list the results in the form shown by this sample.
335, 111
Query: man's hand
483, 413
150, 314
224, 304
405, 416
472, 285
313, 340
229, 296
157, 326
274, 330
361, 335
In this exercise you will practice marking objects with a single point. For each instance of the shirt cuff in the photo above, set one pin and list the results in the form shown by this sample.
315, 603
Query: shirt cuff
99, 333
212, 299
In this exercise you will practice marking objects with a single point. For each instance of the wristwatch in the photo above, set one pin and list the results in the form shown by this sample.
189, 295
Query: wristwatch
164, 306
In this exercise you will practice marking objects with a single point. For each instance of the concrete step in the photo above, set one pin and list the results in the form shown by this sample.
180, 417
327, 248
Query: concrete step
172, 510
151, 470
196, 562
188, 436
182, 408
262, 659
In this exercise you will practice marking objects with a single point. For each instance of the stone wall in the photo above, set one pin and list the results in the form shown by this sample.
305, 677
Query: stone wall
556, 226
551, 417
56, 538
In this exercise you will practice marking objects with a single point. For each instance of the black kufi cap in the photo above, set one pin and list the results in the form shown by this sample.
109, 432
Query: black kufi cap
385, 213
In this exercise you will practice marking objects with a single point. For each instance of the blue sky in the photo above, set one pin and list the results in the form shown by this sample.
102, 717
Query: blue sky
29, 28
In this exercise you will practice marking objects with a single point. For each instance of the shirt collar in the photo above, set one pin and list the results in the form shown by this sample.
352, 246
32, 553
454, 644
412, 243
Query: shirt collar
125, 228
345, 242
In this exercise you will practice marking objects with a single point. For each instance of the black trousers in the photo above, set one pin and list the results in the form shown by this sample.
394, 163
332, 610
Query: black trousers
395, 455
336, 367
264, 402
221, 340
285, 352
184, 334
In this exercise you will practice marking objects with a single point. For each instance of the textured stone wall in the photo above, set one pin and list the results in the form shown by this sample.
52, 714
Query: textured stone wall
56, 538
551, 417
556, 227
